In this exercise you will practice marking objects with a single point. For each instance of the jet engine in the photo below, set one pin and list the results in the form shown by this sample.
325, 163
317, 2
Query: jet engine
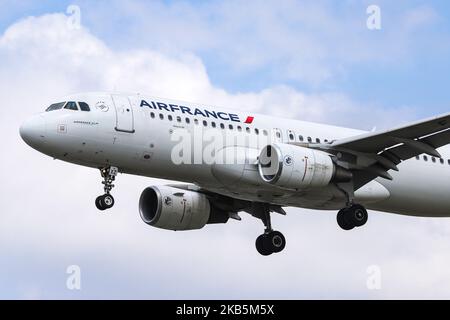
175, 209
295, 167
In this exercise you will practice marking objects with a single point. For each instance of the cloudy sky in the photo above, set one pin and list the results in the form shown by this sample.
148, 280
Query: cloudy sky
311, 60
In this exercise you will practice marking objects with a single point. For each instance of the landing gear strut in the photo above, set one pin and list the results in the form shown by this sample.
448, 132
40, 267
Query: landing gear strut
106, 201
353, 216
271, 241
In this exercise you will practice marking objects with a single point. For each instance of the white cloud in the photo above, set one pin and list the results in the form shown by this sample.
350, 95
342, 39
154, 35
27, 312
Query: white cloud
308, 42
48, 220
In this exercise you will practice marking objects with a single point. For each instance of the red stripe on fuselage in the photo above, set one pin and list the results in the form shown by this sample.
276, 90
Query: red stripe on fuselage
249, 120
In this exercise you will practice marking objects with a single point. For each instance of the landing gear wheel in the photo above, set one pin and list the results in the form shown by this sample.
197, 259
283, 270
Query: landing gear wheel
104, 202
276, 241
358, 215
343, 221
271, 242
261, 246
108, 201
354, 216
98, 204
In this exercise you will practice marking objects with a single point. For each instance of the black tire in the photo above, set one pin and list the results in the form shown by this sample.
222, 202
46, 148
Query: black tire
358, 215
343, 220
261, 245
276, 241
107, 201
99, 204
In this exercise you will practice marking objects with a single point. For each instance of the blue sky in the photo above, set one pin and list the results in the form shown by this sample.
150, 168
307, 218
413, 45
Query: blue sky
310, 60
417, 77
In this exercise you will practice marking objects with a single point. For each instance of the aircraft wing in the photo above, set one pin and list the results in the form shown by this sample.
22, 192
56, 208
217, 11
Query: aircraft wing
372, 155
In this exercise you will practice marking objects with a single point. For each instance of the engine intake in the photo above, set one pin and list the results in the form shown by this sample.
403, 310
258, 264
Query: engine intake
295, 167
177, 209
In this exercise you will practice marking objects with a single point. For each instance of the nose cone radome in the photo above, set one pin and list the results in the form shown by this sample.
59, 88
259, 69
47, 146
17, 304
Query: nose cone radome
32, 131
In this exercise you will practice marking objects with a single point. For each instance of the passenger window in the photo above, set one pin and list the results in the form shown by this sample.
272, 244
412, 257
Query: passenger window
213, 124
417, 157
230, 127
309, 139
265, 132
425, 158
196, 121
441, 161
170, 117
71, 106
300, 138
433, 159
222, 126
161, 116
239, 128
55, 106
448, 162
152, 115
84, 106
291, 136
188, 120
205, 123
257, 131
178, 119
247, 129
317, 140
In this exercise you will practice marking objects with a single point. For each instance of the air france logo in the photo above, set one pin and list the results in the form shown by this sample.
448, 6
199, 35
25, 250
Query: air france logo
288, 160
102, 106
168, 201
205, 113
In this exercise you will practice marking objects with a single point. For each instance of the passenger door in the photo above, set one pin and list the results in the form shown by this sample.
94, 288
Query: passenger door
124, 113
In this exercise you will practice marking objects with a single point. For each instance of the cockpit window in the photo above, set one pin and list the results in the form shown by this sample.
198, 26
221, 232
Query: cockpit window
84, 106
71, 105
56, 106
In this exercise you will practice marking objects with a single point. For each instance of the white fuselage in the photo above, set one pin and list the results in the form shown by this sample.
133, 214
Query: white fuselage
138, 134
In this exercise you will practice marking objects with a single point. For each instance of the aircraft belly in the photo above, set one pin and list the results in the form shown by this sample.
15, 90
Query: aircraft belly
418, 189
328, 198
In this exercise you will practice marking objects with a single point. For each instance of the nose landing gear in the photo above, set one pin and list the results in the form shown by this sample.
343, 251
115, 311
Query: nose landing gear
106, 201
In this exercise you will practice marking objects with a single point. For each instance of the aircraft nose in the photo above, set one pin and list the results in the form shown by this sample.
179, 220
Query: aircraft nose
32, 131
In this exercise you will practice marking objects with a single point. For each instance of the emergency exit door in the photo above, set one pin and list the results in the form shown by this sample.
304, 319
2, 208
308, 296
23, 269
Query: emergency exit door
124, 113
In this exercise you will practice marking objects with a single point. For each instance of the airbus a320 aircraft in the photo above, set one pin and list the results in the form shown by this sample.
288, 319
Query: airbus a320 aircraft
232, 162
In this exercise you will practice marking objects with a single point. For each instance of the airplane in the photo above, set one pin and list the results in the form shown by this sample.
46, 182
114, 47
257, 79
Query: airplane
233, 161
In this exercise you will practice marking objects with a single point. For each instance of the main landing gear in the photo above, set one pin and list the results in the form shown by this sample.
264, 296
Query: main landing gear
271, 241
353, 216
106, 201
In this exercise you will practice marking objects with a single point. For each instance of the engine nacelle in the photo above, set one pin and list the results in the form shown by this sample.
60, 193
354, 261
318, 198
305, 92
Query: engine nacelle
177, 209
295, 167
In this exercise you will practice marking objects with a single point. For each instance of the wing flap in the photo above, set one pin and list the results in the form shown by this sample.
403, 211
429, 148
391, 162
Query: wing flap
378, 141
373, 154
405, 152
